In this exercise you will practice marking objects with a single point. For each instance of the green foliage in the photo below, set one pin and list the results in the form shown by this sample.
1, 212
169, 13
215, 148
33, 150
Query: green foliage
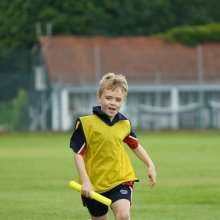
6, 116
18, 18
14, 113
193, 35
20, 111
15, 61
194, 12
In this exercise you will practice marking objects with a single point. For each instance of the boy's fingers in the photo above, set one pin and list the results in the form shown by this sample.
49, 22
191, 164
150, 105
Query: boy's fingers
152, 181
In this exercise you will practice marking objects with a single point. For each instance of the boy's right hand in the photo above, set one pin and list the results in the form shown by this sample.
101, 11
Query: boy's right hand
86, 189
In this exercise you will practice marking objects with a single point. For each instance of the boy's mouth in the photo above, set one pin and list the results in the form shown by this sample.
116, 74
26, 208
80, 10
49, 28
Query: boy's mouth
111, 110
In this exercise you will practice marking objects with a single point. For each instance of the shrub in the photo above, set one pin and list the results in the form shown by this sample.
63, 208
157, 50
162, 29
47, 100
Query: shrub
193, 35
20, 111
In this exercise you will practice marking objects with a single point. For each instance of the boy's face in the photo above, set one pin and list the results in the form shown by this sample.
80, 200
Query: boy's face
111, 101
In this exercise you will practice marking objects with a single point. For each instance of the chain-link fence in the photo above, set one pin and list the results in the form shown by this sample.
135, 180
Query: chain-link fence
14, 101
15, 87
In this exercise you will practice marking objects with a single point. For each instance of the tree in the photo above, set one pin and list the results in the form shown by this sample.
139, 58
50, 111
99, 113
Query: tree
18, 18
193, 35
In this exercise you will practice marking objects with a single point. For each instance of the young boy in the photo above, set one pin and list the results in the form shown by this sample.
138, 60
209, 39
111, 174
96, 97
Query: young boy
101, 160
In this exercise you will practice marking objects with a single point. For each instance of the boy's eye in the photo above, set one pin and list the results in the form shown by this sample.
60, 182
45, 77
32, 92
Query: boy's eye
118, 100
110, 98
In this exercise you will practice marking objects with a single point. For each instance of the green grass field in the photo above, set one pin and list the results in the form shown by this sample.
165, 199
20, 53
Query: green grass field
35, 170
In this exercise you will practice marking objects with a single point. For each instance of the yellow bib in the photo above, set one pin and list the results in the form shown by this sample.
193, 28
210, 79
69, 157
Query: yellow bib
106, 160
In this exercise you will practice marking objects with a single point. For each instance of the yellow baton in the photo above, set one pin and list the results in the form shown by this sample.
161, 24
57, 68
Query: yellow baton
94, 195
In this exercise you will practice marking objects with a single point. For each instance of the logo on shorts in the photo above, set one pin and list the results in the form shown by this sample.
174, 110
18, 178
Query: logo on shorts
123, 191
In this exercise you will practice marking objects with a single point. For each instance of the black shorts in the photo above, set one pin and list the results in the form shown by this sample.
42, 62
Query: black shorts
97, 209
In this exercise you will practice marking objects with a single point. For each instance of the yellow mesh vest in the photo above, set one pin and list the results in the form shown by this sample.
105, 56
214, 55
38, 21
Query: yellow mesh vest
106, 160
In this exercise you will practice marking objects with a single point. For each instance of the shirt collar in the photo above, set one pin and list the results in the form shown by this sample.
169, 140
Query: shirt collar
97, 111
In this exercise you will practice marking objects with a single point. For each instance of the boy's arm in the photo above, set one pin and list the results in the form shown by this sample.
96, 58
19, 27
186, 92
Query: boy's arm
86, 184
145, 158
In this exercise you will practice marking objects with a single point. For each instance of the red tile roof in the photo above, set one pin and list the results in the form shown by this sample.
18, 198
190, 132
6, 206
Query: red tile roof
142, 59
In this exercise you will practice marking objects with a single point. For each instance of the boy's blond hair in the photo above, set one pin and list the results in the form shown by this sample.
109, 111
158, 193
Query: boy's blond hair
112, 81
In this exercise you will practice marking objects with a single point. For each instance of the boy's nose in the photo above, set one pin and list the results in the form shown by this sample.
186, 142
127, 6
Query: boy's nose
113, 102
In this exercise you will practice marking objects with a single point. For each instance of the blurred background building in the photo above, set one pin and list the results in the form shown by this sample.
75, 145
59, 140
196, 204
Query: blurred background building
171, 86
